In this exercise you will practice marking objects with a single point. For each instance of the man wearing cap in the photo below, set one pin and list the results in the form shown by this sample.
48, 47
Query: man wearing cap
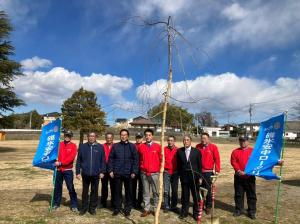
64, 164
109, 138
170, 176
137, 181
242, 182
210, 166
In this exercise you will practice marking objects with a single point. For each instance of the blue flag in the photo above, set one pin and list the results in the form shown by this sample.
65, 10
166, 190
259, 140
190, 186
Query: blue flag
47, 151
267, 149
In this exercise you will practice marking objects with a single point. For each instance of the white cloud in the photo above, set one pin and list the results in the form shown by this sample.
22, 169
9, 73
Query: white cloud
225, 92
24, 14
254, 24
16, 10
56, 85
261, 25
166, 7
234, 12
35, 63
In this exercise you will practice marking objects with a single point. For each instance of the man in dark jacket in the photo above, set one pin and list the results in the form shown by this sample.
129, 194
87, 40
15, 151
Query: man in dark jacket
189, 170
91, 166
123, 167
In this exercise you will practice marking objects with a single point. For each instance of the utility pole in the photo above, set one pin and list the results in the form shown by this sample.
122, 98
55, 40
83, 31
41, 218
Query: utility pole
250, 116
197, 123
228, 117
180, 122
30, 118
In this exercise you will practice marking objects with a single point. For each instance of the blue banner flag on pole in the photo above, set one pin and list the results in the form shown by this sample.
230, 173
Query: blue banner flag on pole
47, 151
267, 149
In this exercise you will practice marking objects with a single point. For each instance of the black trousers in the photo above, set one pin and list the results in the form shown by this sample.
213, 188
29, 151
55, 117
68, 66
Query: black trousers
137, 197
206, 183
194, 188
242, 185
104, 189
86, 182
68, 177
119, 181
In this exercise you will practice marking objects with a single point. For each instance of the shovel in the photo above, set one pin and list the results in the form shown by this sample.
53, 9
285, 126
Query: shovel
201, 202
213, 219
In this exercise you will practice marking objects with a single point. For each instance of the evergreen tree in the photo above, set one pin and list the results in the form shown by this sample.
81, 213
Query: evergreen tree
81, 112
177, 117
9, 69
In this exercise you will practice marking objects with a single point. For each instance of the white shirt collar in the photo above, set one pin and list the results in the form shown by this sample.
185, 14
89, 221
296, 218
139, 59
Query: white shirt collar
189, 148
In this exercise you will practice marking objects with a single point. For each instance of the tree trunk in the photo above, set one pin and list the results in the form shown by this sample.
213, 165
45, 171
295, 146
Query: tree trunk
165, 108
81, 137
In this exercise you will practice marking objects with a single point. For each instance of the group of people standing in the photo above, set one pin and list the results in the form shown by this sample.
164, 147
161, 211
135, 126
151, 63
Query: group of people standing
137, 167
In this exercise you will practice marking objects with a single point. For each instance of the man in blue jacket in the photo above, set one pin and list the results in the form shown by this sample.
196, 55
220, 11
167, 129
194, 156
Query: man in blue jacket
90, 166
123, 167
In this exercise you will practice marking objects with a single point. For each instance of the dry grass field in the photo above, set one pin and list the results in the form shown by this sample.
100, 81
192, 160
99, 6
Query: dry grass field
25, 192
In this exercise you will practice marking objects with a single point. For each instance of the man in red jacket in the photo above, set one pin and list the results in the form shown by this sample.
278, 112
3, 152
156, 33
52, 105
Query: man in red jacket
150, 158
170, 176
109, 138
210, 166
64, 164
137, 181
243, 183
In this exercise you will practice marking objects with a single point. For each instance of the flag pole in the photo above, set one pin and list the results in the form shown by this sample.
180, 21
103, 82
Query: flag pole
54, 174
280, 173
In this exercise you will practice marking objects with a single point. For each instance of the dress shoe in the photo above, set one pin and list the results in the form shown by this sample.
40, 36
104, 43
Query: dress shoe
237, 213
183, 216
92, 212
127, 213
208, 211
251, 216
115, 213
82, 212
145, 213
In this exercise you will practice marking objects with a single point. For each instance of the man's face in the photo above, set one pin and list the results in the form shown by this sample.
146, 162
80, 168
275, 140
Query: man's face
109, 139
244, 143
124, 136
139, 140
187, 142
171, 142
148, 136
204, 139
67, 138
92, 137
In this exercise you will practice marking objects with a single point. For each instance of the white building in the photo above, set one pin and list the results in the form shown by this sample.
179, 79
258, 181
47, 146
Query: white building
292, 130
216, 132
122, 123
254, 127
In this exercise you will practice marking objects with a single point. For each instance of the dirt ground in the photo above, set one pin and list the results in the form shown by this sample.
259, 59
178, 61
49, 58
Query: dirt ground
25, 192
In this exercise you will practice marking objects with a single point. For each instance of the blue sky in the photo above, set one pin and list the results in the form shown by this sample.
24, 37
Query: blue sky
241, 52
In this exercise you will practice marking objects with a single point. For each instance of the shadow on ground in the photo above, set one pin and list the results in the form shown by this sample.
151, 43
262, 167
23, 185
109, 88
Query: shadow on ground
295, 182
224, 206
7, 149
47, 197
